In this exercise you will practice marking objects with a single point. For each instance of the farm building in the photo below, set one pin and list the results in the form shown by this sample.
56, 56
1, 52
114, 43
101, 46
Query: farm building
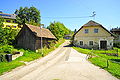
68, 36
29, 37
116, 32
93, 35
9, 20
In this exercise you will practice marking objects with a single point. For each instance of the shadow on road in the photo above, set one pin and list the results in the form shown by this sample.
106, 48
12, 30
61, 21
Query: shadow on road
70, 45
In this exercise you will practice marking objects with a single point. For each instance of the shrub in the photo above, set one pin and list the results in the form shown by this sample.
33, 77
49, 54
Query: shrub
7, 35
6, 49
2, 58
116, 44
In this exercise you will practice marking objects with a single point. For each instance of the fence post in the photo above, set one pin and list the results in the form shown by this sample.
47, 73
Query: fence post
117, 53
107, 63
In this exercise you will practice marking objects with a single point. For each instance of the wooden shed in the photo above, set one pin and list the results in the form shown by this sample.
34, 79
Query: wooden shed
29, 37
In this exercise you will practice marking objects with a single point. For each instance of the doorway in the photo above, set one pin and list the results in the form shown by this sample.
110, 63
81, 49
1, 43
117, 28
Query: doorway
103, 44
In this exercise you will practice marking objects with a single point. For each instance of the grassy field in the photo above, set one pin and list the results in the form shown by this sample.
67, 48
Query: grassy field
27, 57
108, 62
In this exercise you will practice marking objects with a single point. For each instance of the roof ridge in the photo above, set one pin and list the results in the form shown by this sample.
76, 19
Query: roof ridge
91, 23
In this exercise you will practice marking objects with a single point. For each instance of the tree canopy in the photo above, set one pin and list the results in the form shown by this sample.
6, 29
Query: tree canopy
58, 29
28, 15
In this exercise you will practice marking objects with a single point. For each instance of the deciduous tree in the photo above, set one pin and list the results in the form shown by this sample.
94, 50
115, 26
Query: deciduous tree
58, 29
28, 15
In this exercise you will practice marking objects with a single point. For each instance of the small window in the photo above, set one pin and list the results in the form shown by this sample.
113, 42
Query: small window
86, 30
91, 43
7, 20
81, 42
95, 30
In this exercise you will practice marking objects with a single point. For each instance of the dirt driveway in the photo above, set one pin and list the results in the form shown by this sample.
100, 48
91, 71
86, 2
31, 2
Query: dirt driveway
64, 63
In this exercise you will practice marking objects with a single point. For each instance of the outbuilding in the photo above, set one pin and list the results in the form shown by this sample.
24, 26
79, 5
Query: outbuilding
30, 37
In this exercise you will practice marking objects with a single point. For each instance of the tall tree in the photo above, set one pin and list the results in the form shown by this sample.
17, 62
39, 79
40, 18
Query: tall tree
28, 15
58, 29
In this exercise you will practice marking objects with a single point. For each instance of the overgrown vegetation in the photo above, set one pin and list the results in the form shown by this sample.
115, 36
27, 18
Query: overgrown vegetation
53, 46
105, 59
7, 35
1, 21
6, 49
116, 44
27, 56
58, 29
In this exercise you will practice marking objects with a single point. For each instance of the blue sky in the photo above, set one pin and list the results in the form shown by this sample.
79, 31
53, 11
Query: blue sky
107, 11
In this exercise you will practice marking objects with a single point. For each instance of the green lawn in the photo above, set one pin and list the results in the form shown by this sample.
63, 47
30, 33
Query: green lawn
100, 59
27, 56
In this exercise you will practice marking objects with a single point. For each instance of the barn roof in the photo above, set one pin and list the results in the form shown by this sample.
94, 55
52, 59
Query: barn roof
41, 32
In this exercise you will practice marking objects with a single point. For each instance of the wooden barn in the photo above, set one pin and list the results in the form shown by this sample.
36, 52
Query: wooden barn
29, 37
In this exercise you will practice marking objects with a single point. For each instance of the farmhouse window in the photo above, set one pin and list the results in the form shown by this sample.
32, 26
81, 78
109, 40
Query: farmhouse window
7, 20
95, 30
86, 30
14, 26
81, 42
7, 25
90, 42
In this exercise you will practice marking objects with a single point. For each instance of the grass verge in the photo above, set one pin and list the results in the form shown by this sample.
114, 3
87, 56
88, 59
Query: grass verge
100, 60
27, 57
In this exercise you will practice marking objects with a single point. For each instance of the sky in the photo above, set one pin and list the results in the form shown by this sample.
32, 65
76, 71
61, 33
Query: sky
107, 11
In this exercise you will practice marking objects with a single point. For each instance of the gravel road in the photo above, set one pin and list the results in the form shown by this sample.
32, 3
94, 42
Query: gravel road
64, 63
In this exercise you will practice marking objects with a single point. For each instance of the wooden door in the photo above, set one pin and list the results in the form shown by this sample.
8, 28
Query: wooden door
103, 44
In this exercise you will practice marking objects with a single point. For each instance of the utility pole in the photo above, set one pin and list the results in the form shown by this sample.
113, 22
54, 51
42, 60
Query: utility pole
93, 15
41, 26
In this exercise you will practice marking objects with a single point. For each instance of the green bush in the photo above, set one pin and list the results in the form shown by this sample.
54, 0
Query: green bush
58, 29
7, 35
6, 49
2, 58
117, 44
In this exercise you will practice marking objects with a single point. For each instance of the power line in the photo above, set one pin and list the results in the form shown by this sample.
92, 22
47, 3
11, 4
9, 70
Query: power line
93, 15
67, 17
